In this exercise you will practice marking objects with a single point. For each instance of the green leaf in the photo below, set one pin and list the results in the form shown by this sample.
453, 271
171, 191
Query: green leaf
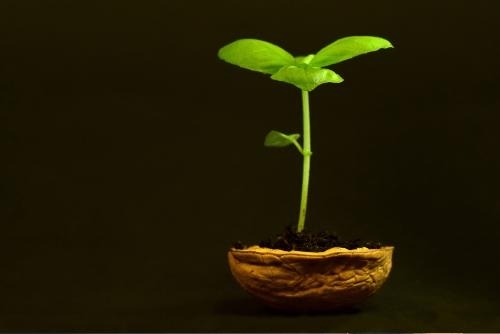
278, 139
256, 55
303, 61
306, 78
346, 48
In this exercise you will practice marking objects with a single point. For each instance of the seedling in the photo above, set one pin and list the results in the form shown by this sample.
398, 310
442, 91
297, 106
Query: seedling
304, 72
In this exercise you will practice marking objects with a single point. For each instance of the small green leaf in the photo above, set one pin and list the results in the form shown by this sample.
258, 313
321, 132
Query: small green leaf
346, 48
303, 61
256, 55
306, 78
278, 139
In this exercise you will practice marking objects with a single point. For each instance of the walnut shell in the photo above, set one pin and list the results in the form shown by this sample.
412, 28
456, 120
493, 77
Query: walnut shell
311, 281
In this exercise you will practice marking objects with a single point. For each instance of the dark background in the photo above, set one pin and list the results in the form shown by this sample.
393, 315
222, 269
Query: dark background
132, 158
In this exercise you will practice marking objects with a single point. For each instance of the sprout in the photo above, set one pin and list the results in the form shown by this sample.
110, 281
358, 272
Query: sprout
304, 72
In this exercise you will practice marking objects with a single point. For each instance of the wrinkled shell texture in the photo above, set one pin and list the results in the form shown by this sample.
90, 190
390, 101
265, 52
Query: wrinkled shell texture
308, 281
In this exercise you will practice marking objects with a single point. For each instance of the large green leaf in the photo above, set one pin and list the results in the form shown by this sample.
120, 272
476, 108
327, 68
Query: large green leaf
346, 48
306, 78
256, 55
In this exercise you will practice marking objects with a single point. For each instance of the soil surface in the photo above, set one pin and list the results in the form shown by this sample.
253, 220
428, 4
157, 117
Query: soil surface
308, 241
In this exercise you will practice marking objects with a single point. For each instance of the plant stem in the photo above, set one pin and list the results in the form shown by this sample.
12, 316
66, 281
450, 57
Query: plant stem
306, 152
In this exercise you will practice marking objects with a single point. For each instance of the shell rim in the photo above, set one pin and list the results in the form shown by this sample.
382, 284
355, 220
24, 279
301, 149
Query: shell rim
257, 250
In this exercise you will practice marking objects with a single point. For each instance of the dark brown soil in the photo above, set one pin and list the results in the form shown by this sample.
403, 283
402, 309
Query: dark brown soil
308, 241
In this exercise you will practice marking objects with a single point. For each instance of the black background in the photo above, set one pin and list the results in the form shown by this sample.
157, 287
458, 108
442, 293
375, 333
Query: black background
133, 158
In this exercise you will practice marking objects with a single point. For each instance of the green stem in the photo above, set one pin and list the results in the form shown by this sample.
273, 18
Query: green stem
306, 152
297, 145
